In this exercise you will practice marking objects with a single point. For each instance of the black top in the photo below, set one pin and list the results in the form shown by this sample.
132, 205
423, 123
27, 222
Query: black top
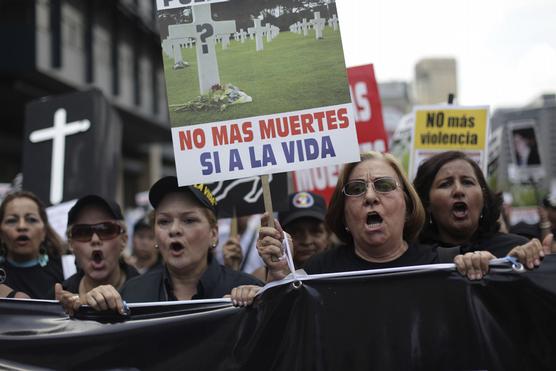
499, 245
36, 281
156, 285
72, 283
344, 259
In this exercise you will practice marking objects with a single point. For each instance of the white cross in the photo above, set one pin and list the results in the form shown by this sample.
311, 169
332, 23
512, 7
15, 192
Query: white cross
305, 27
333, 22
203, 29
242, 35
58, 134
268, 32
258, 31
318, 25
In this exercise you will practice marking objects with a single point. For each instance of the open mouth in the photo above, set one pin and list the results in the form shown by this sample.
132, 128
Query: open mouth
374, 219
460, 209
22, 238
97, 256
176, 246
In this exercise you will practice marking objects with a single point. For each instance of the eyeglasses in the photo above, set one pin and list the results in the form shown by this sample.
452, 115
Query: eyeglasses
104, 231
359, 187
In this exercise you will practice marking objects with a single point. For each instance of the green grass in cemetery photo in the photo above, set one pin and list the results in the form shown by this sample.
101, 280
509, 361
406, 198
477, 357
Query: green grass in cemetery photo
293, 72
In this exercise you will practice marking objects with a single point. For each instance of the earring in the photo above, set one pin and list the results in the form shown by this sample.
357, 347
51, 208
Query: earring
347, 229
481, 216
43, 256
430, 219
156, 246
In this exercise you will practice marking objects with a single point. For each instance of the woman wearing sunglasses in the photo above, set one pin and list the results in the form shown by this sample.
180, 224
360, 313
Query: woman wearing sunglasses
462, 215
96, 234
186, 232
375, 213
30, 250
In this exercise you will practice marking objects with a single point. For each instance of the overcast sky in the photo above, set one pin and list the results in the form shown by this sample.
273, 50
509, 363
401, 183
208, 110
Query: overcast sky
505, 49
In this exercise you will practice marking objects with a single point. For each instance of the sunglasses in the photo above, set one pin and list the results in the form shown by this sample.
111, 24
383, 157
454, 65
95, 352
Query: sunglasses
359, 187
104, 231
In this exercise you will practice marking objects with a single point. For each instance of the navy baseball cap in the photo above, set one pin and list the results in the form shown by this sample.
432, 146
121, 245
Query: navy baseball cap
169, 184
303, 205
111, 206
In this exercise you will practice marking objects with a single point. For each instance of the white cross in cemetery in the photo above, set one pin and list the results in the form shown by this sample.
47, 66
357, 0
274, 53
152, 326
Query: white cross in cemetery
57, 134
258, 31
268, 32
318, 24
242, 35
305, 27
275, 31
333, 22
225, 41
203, 29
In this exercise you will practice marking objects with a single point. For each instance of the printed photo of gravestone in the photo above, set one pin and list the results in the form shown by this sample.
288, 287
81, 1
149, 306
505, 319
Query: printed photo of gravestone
245, 58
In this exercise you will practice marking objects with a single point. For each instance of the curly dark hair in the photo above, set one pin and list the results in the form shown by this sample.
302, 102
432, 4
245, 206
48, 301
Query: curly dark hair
53, 244
492, 203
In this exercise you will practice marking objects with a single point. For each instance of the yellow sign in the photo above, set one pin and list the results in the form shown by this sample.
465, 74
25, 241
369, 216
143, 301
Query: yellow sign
451, 129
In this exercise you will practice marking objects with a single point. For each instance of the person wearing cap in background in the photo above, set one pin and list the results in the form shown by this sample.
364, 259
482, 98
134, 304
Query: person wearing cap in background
186, 231
145, 254
97, 235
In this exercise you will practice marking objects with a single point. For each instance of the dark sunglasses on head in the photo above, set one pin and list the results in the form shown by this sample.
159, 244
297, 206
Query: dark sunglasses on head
358, 187
104, 231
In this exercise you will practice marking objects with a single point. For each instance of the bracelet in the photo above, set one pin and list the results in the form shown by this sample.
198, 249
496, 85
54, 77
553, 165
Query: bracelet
545, 225
11, 294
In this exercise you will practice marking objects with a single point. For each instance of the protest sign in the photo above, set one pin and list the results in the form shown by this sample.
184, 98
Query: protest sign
449, 128
370, 131
63, 133
257, 106
526, 165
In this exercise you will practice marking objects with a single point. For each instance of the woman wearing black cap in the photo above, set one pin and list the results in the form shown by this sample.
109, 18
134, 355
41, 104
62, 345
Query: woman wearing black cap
185, 232
97, 235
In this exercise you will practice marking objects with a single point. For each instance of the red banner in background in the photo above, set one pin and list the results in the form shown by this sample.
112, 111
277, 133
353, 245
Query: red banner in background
370, 132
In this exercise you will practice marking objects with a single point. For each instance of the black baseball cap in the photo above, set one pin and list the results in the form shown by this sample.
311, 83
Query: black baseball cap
111, 206
303, 205
142, 223
169, 184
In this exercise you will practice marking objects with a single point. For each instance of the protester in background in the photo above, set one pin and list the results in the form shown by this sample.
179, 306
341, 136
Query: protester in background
145, 254
185, 231
304, 222
462, 213
30, 249
97, 235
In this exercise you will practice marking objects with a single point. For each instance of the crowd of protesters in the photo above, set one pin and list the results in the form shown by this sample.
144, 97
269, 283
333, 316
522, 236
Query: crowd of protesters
376, 218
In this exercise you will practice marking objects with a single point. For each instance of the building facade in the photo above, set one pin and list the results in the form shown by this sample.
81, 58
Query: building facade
60, 46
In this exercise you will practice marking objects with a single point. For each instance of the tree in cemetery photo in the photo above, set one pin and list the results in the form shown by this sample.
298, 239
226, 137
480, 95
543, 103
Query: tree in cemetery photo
244, 59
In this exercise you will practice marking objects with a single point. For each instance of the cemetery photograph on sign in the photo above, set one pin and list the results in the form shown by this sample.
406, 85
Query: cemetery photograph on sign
255, 88
239, 58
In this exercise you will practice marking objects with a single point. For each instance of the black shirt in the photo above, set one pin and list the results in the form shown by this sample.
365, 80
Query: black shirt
215, 282
72, 283
344, 259
499, 245
36, 281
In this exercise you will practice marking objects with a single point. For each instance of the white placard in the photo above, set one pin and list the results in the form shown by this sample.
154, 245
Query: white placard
260, 145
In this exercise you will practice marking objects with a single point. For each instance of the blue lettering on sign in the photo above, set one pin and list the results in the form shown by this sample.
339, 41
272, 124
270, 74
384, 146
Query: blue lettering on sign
208, 166
235, 160
308, 149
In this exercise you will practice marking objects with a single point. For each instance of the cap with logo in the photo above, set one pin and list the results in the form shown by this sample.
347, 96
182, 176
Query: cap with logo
303, 205
169, 184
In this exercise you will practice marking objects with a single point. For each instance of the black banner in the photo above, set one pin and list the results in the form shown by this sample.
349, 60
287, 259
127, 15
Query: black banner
436, 320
